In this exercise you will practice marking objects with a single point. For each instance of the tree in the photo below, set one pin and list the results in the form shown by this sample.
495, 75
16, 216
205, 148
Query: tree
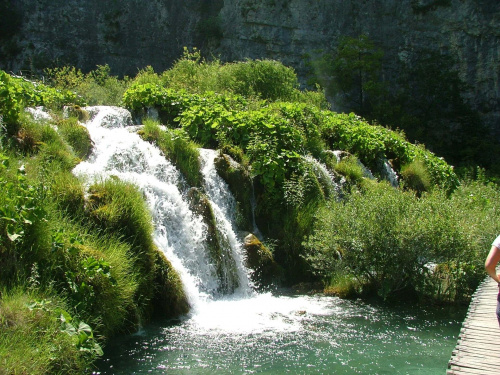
355, 72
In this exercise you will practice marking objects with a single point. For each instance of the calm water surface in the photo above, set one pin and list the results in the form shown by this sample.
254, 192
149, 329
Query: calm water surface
268, 334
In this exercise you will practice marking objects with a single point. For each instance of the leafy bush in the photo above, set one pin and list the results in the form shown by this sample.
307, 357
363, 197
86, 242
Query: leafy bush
392, 241
372, 142
265, 79
17, 93
98, 87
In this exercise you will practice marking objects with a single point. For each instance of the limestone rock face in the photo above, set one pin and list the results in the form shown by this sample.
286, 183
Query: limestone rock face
132, 34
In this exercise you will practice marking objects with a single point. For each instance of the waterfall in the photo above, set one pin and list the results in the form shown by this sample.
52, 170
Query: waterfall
179, 233
224, 207
389, 174
326, 177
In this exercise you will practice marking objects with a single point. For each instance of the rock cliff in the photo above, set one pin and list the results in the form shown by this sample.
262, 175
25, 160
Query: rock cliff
132, 34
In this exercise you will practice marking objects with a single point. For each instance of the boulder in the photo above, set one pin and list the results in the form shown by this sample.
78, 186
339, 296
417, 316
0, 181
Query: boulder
217, 246
265, 271
239, 182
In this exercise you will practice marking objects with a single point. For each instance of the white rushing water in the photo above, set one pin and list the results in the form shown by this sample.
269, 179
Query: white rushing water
180, 234
224, 208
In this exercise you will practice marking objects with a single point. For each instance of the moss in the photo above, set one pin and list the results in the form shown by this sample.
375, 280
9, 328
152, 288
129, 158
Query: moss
177, 148
77, 136
119, 208
240, 184
217, 246
169, 299
68, 193
259, 259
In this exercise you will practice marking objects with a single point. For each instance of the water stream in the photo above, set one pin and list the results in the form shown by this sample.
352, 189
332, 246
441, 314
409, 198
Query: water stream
246, 332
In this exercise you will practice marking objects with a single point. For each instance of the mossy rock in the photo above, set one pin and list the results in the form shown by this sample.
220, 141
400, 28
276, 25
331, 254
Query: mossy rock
169, 299
259, 259
239, 182
76, 111
217, 245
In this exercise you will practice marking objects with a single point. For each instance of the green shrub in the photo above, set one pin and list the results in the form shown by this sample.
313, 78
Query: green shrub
390, 240
10, 102
193, 74
416, 177
372, 142
98, 87
22, 216
265, 79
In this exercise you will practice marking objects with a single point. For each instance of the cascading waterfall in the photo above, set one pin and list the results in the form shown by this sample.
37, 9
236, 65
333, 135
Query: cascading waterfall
224, 207
120, 152
245, 332
390, 174
333, 188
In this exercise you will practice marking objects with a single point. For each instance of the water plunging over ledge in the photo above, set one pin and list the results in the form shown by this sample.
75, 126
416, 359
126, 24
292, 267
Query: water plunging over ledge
246, 332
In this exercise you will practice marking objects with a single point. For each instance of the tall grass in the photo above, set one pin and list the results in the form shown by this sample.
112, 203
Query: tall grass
177, 147
31, 341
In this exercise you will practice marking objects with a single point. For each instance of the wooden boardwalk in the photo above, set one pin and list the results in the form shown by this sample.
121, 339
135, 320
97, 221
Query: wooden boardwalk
478, 347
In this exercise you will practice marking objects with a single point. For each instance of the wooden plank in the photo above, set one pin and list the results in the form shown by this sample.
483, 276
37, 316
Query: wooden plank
467, 371
478, 350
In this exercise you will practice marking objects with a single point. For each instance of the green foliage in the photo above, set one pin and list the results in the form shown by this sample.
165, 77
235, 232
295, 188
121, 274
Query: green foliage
177, 148
17, 93
81, 333
262, 79
10, 100
392, 241
32, 340
371, 142
169, 102
98, 87
416, 177
20, 207
266, 79
97, 255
